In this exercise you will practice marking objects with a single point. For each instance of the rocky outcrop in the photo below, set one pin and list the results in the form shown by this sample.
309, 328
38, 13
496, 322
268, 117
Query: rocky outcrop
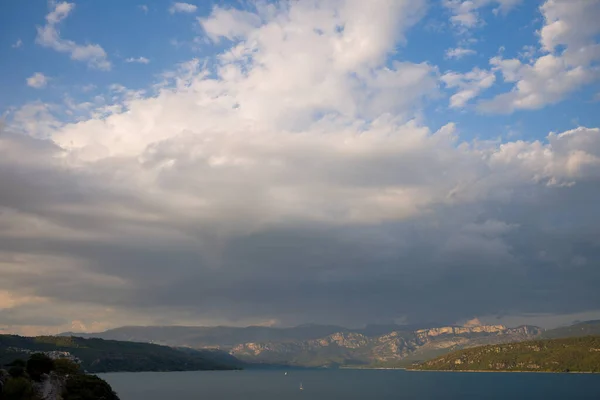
460, 330
3, 378
50, 387
349, 347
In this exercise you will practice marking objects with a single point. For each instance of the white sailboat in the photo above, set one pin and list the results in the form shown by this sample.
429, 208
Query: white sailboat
301, 388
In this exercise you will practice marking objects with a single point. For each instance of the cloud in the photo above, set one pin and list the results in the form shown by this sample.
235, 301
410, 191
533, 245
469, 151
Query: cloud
465, 13
469, 85
459, 52
570, 51
17, 44
37, 80
49, 36
179, 204
231, 24
292, 178
88, 88
144, 8
140, 60
183, 8
35, 119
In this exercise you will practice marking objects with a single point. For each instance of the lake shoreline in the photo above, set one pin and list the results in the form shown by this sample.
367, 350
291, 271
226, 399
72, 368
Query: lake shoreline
372, 368
478, 370
504, 372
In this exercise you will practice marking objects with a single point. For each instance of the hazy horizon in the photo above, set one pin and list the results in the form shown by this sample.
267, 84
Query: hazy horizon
546, 322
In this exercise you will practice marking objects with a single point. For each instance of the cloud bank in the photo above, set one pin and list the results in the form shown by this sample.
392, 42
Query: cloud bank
293, 179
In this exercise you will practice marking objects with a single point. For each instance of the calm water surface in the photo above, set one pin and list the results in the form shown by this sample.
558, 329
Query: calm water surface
351, 384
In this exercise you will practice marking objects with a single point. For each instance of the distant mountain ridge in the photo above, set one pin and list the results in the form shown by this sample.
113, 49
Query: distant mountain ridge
327, 345
227, 336
218, 336
392, 349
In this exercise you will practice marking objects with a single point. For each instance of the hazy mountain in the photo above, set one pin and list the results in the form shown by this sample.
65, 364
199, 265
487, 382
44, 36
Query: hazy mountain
585, 328
218, 336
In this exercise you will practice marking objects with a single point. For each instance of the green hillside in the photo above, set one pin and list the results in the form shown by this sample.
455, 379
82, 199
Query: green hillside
579, 354
98, 355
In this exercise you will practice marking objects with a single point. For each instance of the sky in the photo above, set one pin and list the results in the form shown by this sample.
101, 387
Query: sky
287, 162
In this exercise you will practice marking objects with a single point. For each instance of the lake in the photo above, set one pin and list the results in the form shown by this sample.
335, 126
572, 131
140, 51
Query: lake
350, 384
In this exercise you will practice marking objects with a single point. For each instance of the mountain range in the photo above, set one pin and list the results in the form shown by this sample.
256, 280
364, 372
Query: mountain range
335, 346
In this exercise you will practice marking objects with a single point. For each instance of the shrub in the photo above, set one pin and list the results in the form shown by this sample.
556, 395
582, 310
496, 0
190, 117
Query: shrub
88, 387
18, 389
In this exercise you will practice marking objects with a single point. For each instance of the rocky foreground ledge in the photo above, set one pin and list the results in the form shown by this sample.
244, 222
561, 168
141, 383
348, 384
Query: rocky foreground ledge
42, 378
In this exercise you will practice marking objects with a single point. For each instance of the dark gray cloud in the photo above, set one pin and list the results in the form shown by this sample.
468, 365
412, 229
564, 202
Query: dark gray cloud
263, 190
532, 253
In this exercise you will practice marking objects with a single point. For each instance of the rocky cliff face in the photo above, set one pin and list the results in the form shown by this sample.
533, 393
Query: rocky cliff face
348, 348
460, 330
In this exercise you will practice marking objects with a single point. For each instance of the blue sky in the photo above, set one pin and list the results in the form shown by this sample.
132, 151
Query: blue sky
148, 29
286, 162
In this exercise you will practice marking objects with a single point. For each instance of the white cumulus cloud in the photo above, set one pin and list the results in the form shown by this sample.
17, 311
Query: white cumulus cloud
139, 60
469, 85
465, 13
570, 53
183, 8
459, 52
49, 36
37, 80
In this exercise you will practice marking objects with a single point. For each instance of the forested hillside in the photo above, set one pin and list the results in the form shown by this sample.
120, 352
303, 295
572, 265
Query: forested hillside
98, 355
580, 354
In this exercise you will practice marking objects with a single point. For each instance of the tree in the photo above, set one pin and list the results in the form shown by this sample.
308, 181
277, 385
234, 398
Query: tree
39, 364
63, 366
